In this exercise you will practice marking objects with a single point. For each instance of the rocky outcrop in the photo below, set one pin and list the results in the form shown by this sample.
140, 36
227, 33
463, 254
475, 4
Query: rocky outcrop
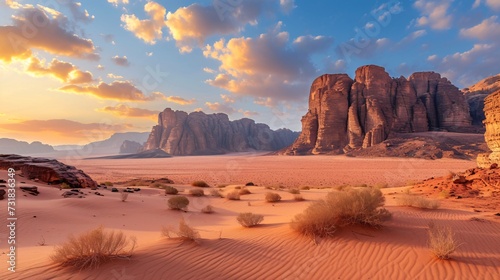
492, 134
346, 114
49, 171
180, 133
476, 94
130, 147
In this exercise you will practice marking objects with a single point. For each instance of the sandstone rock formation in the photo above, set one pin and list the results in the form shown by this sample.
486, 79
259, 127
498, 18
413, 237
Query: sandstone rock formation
47, 170
180, 133
476, 94
130, 147
346, 114
492, 134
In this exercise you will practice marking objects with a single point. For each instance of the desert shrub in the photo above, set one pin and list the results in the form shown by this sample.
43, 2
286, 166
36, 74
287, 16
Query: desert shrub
249, 219
234, 195
441, 241
207, 209
354, 206
268, 188
157, 185
201, 184
65, 186
178, 203
221, 186
294, 191
184, 231
244, 191
93, 248
298, 197
108, 184
237, 188
381, 185
124, 196
196, 192
342, 187
249, 184
272, 197
215, 193
305, 188
171, 190
417, 201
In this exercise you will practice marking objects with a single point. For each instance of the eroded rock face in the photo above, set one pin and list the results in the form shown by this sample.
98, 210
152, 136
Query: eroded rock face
47, 170
492, 134
130, 147
197, 133
346, 114
476, 94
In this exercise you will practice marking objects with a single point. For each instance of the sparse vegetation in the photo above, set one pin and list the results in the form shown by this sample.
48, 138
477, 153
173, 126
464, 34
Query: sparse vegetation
305, 188
157, 185
237, 188
417, 201
93, 248
353, 206
123, 196
441, 241
65, 186
298, 197
244, 191
294, 191
234, 195
450, 175
249, 219
178, 203
221, 186
171, 190
185, 231
207, 209
200, 184
215, 193
381, 185
108, 184
196, 192
272, 197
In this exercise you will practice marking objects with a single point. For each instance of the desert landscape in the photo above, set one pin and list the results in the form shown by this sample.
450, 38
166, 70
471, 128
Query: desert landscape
249, 140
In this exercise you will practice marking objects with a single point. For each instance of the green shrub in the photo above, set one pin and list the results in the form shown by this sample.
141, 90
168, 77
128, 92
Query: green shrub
249, 219
178, 203
272, 197
354, 206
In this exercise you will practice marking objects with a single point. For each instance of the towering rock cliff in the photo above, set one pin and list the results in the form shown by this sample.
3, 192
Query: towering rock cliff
180, 133
492, 134
346, 114
476, 94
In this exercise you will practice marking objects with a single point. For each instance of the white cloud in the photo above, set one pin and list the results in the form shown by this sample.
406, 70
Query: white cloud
487, 29
434, 13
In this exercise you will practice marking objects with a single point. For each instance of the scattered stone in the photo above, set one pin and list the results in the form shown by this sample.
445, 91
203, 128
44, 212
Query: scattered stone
2, 193
114, 190
459, 179
137, 189
497, 214
2, 181
67, 194
459, 197
3, 186
249, 184
31, 190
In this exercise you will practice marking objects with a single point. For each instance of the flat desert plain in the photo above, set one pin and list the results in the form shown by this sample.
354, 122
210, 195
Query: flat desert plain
272, 250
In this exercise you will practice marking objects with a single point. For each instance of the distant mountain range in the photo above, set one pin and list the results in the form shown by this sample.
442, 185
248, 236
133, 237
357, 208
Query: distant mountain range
12, 146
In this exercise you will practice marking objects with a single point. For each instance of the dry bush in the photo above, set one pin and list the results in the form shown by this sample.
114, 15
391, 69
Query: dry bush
237, 188
381, 185
417, 201
108, 184
272, 197
353, 206
157, 185
124, 196
305, 188
201, 184
215, 193
178, 203
244, 191
342, 187
184, 231
441, 241
207, 209
268, 188
294, 191
221, 186
171, 190
249, 219
196, 192
298, 197
65, 186
234, 195
93, 248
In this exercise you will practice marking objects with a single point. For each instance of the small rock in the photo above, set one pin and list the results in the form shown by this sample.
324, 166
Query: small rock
497, 214
114, 190
494, 166
459, 197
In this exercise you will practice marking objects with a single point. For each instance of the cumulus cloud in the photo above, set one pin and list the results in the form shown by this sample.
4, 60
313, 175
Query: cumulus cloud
493, 4
122, 110
148, 30
434, 13
43, 29
487, 29
63, 71
114, 77
118, 2
179, 100
287, 5
120, 60
220, 108
248, 114
78, 12
227, 98
117, 90
190, 26
266, 66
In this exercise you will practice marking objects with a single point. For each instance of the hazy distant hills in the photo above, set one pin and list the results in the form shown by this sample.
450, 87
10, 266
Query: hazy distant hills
12, 146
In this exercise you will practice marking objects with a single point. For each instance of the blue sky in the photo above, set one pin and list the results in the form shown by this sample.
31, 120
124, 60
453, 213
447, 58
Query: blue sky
86, 70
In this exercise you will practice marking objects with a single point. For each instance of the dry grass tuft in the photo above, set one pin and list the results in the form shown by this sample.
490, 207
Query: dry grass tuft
178, 203
185, 231
249, 219
298, 197
294, 191
441, 241
215, 193
196, 192
171, 190
244, 191
272, 197
353, 206
207, 209
201, 184
305, 188
93, 248
417, 201
123, 196
234, 195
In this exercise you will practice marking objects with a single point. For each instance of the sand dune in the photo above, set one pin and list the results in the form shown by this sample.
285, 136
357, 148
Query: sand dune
270, 251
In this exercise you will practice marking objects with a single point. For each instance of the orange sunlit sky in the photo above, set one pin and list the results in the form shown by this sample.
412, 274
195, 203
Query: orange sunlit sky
75, 72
